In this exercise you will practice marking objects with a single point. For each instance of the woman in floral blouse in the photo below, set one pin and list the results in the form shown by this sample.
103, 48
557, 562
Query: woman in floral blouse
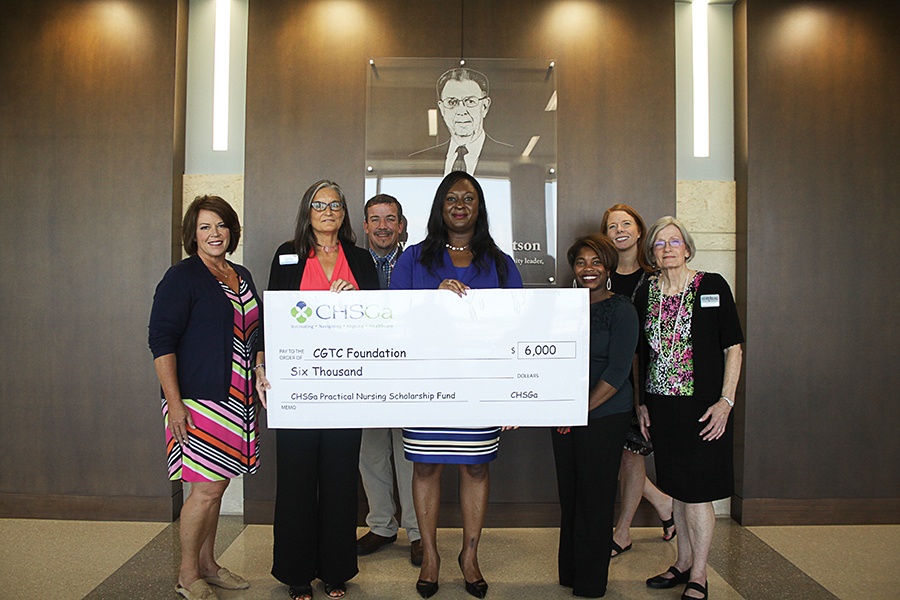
690, 354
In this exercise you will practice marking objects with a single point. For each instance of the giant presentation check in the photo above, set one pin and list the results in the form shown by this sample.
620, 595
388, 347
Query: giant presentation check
427, 358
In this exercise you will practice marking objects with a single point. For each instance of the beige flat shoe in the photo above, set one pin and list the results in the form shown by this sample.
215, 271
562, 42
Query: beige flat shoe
199, 590
227, 580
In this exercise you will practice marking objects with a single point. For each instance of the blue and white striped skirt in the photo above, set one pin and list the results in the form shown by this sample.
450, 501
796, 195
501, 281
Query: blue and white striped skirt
451, 446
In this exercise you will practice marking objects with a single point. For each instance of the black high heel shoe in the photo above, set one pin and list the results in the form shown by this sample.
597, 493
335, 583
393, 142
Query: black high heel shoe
426, 589
477, 588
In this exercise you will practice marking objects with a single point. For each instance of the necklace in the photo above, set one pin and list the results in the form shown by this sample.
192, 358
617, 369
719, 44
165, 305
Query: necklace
458, 249
225, 274
328, 249
659, 336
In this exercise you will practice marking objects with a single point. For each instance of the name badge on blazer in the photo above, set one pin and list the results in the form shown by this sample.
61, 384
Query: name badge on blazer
709, 300
293, 259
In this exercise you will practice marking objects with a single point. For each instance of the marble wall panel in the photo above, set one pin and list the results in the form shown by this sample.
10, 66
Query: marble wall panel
706, 206
707, 209
716, 261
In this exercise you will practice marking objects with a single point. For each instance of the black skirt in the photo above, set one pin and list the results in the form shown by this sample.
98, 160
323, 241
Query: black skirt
688, 468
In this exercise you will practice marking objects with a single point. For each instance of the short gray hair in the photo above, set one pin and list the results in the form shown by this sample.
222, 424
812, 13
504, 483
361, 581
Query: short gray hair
463, 74
660, 225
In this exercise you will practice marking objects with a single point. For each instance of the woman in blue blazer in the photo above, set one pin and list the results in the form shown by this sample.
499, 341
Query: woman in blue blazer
457, 254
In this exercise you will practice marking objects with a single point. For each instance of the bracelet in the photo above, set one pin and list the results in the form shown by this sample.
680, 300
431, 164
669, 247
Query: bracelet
263, 365
728, 400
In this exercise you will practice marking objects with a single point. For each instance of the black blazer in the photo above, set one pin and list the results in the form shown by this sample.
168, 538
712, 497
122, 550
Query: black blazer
287, 277
712, 330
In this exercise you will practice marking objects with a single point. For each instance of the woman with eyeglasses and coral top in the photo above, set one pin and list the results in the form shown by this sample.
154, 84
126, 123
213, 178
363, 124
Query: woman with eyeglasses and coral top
316, 492
690, 361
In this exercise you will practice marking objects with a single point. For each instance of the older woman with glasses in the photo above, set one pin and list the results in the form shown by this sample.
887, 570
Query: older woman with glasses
316, 493
690, 357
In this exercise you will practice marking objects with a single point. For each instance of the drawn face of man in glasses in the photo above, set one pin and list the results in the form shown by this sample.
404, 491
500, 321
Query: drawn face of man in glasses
464, 105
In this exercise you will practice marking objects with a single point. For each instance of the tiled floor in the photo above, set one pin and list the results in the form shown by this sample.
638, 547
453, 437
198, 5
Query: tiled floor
851, 562
71, 560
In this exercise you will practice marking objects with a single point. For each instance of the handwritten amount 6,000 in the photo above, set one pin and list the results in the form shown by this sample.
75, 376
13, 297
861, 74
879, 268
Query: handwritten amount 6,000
544, 350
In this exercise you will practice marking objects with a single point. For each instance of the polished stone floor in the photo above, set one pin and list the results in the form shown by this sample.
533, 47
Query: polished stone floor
71, 560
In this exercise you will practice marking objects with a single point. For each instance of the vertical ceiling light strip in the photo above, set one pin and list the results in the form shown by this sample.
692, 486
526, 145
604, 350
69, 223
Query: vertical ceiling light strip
220, 75
700, 42
462, 29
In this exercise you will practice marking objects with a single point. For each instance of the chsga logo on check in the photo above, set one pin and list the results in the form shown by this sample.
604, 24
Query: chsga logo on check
303, 312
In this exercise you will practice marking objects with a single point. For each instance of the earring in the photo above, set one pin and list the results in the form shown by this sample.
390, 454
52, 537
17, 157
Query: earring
609, 283
574, 283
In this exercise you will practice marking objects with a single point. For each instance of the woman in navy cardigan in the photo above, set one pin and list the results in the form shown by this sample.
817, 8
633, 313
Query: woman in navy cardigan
203, 335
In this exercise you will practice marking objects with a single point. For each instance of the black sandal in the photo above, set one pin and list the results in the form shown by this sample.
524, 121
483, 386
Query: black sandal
693, 585
663, 583
300, 592
336, 590
666, 523
619, 549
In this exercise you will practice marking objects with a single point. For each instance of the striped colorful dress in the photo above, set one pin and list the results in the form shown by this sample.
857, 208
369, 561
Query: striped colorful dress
224, 443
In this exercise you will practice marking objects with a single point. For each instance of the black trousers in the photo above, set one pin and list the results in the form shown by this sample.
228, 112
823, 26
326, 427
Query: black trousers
587, 472
315, 505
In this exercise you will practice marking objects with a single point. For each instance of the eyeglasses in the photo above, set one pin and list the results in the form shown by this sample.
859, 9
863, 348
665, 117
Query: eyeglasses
336, 206
672, 244
468, 102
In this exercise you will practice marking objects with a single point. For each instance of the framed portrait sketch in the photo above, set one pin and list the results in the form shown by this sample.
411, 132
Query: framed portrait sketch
495, 119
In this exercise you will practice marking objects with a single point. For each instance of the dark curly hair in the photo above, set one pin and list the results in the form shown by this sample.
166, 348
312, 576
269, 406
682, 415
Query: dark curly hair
599, 243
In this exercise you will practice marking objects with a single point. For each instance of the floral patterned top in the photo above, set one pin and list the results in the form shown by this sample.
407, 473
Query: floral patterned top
668, 328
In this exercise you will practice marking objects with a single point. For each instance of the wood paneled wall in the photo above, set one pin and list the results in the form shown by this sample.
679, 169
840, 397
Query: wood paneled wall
306, 93
87, 106
89, 142
818, 157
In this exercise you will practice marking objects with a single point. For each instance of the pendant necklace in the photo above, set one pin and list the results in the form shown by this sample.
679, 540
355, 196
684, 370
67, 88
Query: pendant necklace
225, 274
659, 336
